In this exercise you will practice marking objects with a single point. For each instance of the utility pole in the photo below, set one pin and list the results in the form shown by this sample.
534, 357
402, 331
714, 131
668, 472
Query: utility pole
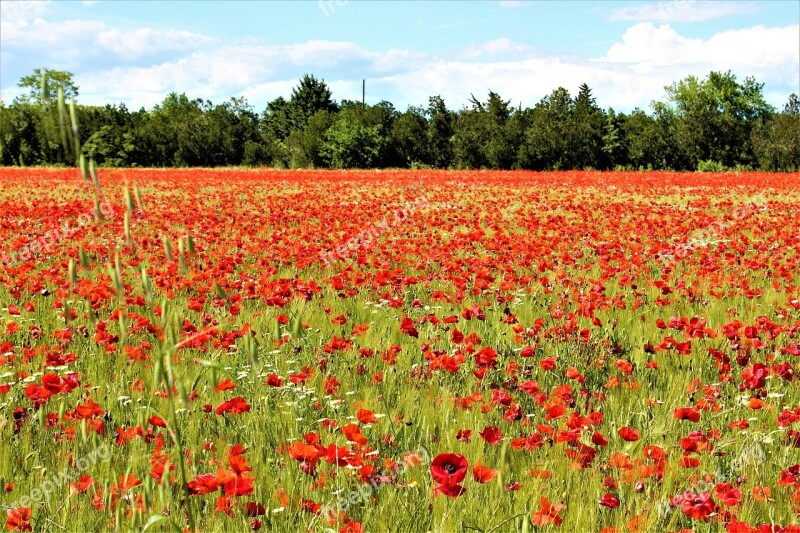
363, 91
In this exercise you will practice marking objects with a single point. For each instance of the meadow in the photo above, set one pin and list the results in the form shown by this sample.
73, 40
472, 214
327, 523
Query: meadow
421, 350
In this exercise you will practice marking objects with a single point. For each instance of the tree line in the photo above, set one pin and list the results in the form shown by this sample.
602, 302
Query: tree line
713, 123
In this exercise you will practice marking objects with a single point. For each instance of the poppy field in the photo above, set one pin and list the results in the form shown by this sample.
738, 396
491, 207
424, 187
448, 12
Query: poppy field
348, 351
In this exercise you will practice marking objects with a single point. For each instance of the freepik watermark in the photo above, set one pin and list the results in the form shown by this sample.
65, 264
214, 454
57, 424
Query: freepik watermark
712, 233
329, 6
753, 455
56, 481
366, 236
366, 491
46, 243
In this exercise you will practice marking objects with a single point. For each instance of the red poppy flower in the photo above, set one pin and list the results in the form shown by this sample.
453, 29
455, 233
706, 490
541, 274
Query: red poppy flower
548, 363
739, 424
225, 384
353, 434
609, 500
452, 490
730, 496
365, 416
83, 484
37, 394
547, 513
19, 519
304, 452
236, 406
629, 434
273, 380
790, 476
449, 468
483, 474
407, 327
157, 421
203, 484
253, 509
687, 413
464, 435
697, 506
598, 439
555, 411
491, 434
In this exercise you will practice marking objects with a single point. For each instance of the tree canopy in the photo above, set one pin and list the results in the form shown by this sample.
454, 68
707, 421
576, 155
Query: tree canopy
710, 123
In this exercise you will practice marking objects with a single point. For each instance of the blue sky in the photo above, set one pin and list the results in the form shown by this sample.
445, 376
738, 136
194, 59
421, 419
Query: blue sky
137, 52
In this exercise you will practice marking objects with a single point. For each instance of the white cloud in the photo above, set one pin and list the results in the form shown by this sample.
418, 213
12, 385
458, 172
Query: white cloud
683, 11
21, 12
258, 72
770, 54
68, 41
503, 48
140, 66
146, 41
632, 73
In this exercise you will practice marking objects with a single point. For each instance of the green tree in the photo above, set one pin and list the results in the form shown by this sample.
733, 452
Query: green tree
547, 141
305, 146
308, 98
647, 140
499, 149
440, 133
42, 86
19, 136
276, 121
52, 140
176, 132
587, 127
614, 148
482, 137
468, 140
349, 143
776, 141
408, 138
715, 118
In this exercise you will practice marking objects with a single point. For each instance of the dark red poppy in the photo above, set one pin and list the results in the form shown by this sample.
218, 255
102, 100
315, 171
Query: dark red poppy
452, 490
19, 519
491, 434
609, 500
236, 406
687, 413
449, 468
697, 506
629, 434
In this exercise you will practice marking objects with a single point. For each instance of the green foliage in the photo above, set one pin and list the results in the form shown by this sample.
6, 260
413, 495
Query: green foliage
710, 166
408, 135
483, 137
308, 98
276, 121
440, 133
776, 141
716, 122
546, 144
716, 117
350, 144
43, 85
